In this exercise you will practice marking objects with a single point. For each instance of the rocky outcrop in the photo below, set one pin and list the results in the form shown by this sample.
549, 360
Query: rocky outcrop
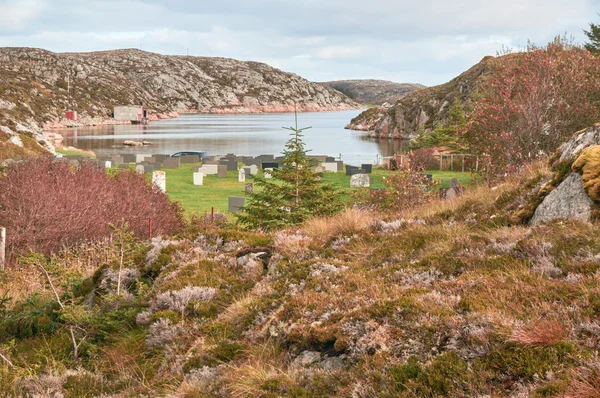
423, 109
581, 140
374, 92
38, 86
569, 201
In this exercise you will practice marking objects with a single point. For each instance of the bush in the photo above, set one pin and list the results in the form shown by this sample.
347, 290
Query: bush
47, 205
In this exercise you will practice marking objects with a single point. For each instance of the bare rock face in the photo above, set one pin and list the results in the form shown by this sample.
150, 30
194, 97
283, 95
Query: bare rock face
568, 201
581, 140
40, 85
374, 92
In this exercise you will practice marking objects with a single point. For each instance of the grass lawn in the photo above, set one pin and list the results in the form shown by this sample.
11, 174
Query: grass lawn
215, 191
74, 152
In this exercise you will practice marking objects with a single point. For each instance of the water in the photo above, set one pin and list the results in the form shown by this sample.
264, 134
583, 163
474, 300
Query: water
249, 135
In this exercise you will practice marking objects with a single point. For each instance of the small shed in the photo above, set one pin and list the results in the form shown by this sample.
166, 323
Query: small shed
130, 113
71, 115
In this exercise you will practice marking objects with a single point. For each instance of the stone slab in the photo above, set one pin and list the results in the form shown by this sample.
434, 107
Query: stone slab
222, 171
171, 163
236, 203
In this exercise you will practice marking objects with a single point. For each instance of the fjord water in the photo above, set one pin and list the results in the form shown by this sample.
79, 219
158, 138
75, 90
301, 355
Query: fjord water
249, 135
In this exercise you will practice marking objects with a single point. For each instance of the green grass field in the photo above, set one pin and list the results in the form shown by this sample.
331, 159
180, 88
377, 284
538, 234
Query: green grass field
215, 191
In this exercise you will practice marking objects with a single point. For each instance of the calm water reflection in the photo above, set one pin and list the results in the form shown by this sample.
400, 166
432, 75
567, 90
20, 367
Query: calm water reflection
240, 134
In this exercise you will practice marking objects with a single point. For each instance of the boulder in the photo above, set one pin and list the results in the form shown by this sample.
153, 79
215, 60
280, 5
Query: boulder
581, 140
360, 181
568, 201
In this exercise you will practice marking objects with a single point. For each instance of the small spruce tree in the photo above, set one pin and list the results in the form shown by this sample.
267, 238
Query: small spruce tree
293, 194
593, 35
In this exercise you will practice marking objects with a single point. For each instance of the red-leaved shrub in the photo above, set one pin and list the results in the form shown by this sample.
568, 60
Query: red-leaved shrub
46, 205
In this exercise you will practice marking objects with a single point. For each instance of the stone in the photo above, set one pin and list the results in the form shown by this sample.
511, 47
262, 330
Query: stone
249, 188
568, 201
124, 166
270, 165
210, 169
160, 158
253, 169
319, 169
141, 158
236, 203
140, 169
267, 173
232, 165
148, 168
355, 171
129, 158
117, 160
368, 168
329, 159
360, 181
307, 358
171, 163
350, 170
157, 166
241, 175
222, 171
454, 183
189, 159
199, 178
107, 164
159, 180
331, 167
248, 171
586, 138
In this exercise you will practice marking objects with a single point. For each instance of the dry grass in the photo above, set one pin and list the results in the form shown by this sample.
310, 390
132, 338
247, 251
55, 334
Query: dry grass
586, 384
346, 223
543, 333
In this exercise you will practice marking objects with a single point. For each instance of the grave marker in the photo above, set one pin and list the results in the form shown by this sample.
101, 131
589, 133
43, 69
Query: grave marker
249, 188
199, 178
159, 180
236, 203
267, 173
360, 181
241, 175
171, 163
140, 169
222, 171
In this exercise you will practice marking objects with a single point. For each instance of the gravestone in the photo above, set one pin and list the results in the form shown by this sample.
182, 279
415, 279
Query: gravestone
241, 175
159, 180
74, 162
253, 169
248, 171
454, 183
199, 178
232, 165
329, 159
129, 158
360, 181
368, 168
140, 169
196, 167
330, 167
124, 166
270, 165
150, 159
189, 159
160, 158
350, 170
267, 173
340, 165
117, 160
171, 163
148, 168
157, 166
249, 188
222, 171
319, 169
210, 169
107, 164
236, 203
141, 158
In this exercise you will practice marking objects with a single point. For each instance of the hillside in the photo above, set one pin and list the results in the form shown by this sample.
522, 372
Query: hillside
374, 92
422, 109
460, 298
38, 86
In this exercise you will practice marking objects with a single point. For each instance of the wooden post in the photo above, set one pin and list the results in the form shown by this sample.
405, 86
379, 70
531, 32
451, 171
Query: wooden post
441, 161
463, 164
451, 162
476, 165
2, 248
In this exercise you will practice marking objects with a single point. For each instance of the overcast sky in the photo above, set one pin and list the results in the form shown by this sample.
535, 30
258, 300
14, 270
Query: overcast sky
416, 41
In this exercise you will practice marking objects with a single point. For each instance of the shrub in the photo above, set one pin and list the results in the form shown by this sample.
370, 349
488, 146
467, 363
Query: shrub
421, 159
543, 333
49, 204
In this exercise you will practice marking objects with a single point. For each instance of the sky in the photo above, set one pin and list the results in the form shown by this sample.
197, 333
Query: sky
416, 41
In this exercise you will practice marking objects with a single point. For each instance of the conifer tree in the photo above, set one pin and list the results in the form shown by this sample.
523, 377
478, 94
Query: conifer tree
293, 194
593, 35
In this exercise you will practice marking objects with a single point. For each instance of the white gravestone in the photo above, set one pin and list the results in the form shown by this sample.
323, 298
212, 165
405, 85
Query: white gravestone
209, 169
107, 164
267, 173
159, 180
241, 175
253, 169
331, 167
141, 158
199, 178
360, 181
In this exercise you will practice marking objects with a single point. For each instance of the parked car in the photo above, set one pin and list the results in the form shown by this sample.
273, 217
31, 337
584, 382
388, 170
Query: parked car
201, 154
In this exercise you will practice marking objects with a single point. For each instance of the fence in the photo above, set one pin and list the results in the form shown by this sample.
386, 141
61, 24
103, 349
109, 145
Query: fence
444, 162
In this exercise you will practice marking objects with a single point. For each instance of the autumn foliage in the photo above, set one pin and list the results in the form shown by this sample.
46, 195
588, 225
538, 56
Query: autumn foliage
532, 102
46, 205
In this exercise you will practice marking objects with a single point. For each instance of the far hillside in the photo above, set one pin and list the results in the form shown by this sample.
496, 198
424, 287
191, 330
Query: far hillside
374, 92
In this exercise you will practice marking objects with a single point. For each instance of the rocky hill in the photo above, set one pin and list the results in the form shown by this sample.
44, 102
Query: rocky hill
423, 109
38, 86
374, 92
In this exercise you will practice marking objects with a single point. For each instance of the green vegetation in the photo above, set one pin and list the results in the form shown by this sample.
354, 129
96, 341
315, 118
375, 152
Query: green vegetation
593, 36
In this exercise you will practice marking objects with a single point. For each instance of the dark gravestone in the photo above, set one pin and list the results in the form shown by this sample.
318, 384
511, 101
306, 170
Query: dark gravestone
355, 171
249, 188
329, 159
232, 165
270, 165
368, 168
350, 170
171, 163
236, 203
188, 159
222, 171
157, 166
129, 158
340, 165
427, 177
213, 162
124, 166
150, 159
148, 168
248, 171
117, 160
160, 158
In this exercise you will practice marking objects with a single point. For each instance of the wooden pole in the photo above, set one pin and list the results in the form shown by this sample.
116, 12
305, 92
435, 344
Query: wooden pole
2, 248
441, 161
451, 162
463, 164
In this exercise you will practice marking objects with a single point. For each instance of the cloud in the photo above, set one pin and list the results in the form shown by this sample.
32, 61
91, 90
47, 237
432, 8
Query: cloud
429, 41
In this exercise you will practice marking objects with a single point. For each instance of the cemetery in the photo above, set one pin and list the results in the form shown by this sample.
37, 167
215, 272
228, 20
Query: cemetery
202, 187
